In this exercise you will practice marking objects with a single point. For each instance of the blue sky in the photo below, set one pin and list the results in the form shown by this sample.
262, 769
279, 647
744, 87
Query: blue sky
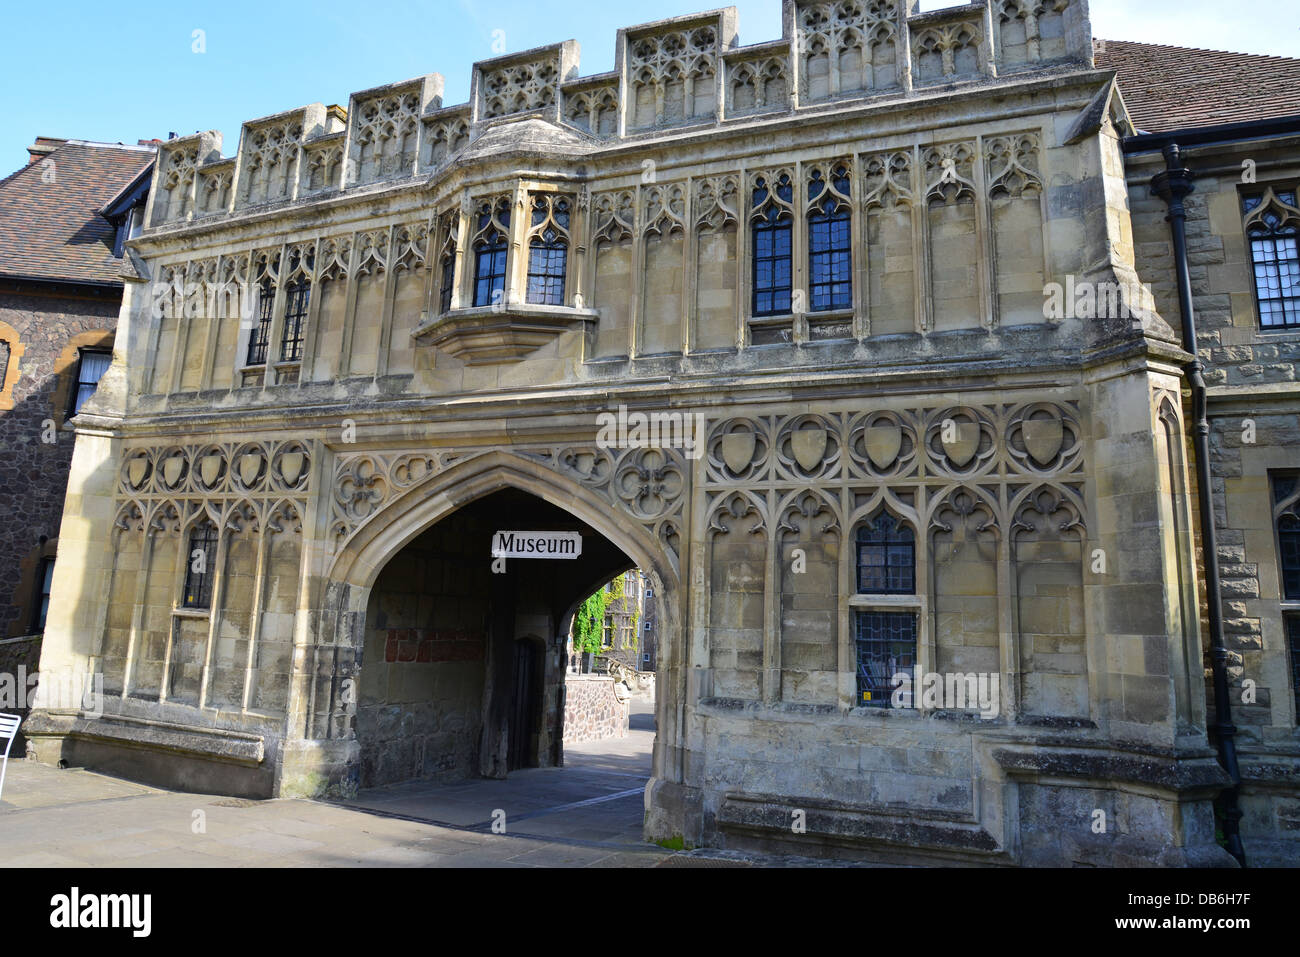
114, 72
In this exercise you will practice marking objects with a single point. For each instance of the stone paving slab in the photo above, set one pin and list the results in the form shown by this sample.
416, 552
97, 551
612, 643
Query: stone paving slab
587, 814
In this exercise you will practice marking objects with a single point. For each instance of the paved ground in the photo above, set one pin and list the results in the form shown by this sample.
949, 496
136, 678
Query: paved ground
587, 814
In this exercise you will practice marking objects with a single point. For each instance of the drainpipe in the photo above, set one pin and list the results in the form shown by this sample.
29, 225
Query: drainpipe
1173, 185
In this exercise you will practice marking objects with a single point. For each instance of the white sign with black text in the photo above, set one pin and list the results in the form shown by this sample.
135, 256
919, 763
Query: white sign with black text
560, 545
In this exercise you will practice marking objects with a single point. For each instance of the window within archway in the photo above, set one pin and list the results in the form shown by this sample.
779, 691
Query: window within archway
773, 247
886, 557
830, 246
885, 638
201, 566
1273, 235
259, 340
548, 251
297, 295
490, 247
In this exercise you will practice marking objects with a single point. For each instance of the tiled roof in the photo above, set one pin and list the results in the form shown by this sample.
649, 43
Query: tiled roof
1175, 88
53, 230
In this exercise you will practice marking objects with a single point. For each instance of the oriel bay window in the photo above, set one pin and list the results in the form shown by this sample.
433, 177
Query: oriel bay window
771, 222
830, 249
1272, 222
884, 629
548, 250
491, 242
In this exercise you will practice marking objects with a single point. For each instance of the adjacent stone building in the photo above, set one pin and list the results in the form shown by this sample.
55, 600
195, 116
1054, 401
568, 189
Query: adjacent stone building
1236, 120
63, 220
884, 266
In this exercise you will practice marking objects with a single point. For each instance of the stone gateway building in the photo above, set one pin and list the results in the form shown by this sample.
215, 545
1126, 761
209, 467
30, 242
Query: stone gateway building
928, 583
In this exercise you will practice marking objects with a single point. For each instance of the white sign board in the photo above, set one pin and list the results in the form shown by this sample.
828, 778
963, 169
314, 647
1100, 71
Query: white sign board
560, 545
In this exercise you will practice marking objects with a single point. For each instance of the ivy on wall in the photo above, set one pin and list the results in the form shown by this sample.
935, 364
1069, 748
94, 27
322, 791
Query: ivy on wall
589, 623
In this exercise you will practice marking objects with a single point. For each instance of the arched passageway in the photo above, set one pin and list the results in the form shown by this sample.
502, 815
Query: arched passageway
463, 665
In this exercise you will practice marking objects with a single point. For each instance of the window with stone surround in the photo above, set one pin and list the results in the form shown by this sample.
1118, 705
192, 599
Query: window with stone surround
773, 246
1286, 512
830, 246
1272, 222
885, 634
45, 583
1293, 641
259, 339
91, 366
201, 566
297, 295
1286, 515
548, 250
886, 557
491, 243
448, 282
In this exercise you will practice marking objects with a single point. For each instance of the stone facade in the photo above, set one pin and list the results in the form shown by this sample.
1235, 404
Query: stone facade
45, 332
1254, 409
593, 711
1034, 464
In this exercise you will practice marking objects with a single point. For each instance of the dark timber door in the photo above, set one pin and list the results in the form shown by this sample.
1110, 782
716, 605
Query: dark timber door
524, 706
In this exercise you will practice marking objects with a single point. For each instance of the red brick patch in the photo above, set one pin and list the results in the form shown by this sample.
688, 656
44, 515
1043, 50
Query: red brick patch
428, 646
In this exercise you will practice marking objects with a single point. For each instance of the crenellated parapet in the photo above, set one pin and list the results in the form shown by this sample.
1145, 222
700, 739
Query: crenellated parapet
383, 137
671, 76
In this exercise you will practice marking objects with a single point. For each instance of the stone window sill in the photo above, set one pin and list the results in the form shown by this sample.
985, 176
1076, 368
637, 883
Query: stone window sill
885, 601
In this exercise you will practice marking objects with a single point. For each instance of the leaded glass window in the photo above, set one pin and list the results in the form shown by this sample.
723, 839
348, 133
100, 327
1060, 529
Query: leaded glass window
1293, 639
448, 283
830, 248
1273, 235
1287, 509
201, 566
490, 246
548, 251
886, 648
259, 338
886, 557
773, 246
297, 295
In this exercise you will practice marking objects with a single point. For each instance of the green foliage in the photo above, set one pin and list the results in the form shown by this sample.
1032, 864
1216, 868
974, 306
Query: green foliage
589, 623
675, 843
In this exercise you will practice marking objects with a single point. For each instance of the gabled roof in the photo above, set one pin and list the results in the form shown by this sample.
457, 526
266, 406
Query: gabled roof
50, 222
1175, 88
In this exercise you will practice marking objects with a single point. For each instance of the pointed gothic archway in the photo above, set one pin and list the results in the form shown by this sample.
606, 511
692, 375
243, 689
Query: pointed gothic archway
440, 639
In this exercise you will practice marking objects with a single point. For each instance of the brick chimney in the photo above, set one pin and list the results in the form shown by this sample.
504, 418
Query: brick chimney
43, 147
